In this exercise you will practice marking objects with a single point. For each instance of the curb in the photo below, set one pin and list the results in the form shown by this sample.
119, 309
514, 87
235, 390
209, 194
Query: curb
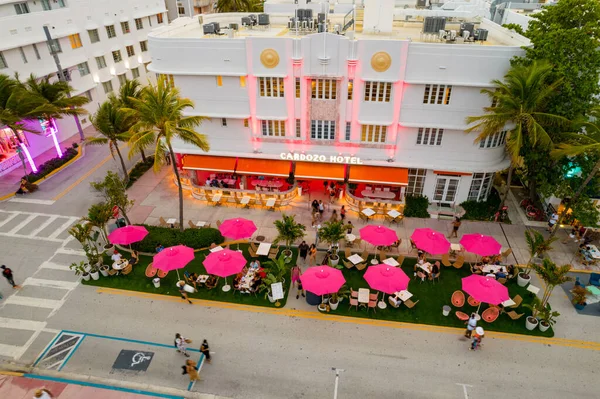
88, 380
55, 171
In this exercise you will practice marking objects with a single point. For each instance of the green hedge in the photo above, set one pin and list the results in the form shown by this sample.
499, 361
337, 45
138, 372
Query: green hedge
193, 238
416, 206
139, 169
482, 210
52, 164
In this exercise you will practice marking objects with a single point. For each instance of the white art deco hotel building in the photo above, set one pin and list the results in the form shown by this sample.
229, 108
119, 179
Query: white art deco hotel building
380, 105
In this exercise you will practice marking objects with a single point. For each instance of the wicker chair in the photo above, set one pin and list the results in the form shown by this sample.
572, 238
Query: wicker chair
460, 261
458, 299
361, 266
348, 265
410, 304
150, 271
514, 315
490, 315
446, 260
462, 316
472, 301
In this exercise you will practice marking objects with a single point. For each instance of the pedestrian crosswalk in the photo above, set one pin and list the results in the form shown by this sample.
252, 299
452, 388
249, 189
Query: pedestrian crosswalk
36, 226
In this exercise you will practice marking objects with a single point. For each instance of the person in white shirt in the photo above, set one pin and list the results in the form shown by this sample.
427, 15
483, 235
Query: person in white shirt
116, 256
552, 222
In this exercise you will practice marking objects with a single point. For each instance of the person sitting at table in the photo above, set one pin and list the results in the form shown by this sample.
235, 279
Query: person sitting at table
261, 273
116, 256
214, 183
207, 183
159, 248
478, 268
422, 258
211, 282
486, 260
255, 264
435, 270
135, 258
512, 272
496, 260
500, 274
191, 278
395, 301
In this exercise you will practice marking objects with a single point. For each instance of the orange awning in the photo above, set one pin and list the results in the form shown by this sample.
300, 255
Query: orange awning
378, 175
267, 167
450, 173
317, 170
210, 163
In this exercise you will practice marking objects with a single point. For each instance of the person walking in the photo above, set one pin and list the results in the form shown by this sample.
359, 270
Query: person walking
477, 338
296, 273
471, 325
181, 344
455, 226
317, 235
183, 292
205, 350
321, 209
334, 216
192, 370
552, 221
343, 213
42, 393
349, 226
325, 186
303, 251
8, 275
312, 255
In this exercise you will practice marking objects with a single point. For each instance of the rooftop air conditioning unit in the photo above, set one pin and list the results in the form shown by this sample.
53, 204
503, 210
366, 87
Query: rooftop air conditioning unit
322, 28
321, 17
467, 26
481, 34
263, 19
253, 18
434, 24
217, 27
234, 26
246, 21
308, 13
208, 29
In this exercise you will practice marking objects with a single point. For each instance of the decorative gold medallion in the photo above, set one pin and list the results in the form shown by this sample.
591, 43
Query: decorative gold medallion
269, 58
381, 61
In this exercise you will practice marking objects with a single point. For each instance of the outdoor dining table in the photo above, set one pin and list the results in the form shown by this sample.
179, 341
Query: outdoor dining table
171, 221
217, 197
494, 269
267, 183
455, 247
368, 212
247, 279
378, 194
263, 248
403, 295
216, 249
533, 289
391, 262
350, 237
270, 202
245, 200
594, 252
508, 303
394, 213
594, 294
200, 224
202, 278
356, 259
120, 265
425, 266
363, 296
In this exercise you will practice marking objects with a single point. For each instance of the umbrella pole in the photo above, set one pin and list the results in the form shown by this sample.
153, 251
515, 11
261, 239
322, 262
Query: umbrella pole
478, 307
178, 278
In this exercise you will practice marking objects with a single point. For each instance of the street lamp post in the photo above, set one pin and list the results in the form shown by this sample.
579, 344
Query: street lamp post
61, 75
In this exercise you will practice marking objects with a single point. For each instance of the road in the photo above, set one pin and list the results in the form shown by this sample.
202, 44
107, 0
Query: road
258, 353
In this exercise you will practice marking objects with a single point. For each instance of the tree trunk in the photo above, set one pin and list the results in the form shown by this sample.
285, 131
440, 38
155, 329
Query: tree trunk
508, 180
122, 162
575, 198
174, 163
531, 186
143, 155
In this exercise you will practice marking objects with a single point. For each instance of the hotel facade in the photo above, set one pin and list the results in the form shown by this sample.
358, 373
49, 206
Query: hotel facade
380, 104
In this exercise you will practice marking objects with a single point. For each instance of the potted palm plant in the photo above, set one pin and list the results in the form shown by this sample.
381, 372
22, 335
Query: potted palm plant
332, 233
547, 318
552, 275
538, 246
531, 322
288, 231
98, 215
80, 270
82, 232
579, 296
337, 297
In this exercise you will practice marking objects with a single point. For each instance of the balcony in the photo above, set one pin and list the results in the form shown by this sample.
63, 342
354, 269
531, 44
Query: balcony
202, 3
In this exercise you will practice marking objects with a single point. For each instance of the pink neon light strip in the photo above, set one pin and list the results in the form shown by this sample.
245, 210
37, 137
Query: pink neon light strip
29, 159
53, 134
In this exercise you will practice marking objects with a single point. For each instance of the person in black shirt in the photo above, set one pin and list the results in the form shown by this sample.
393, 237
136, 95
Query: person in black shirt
8, 275
303, 250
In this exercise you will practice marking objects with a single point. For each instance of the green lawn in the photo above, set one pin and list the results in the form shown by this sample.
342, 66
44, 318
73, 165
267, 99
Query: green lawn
432, 297
137, 281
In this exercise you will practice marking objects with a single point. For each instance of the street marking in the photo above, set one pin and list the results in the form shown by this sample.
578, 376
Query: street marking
20, 324
11, 351
8, 219
59, 351
62, 228
465, 389
30, 237
32, 201
22, 224
573, 343
43, 225
54, 266
33, 302
69, 251
200, 364
65, 285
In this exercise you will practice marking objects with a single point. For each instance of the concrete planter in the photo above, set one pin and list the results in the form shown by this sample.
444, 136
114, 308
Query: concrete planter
523, 279
531, 323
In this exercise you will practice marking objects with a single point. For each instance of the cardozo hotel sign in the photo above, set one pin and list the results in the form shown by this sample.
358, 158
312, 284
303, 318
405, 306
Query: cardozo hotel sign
320, 158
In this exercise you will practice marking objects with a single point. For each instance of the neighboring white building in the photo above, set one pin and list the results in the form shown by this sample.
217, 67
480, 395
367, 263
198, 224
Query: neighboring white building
100, 43
396, 98
188, 8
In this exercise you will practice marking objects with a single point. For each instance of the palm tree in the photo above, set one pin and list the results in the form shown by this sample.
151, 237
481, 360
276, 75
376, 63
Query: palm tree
131, 89
160, 119
519, 100
239, 5
553, 276
55, 98
113, 123
577, 144
288, 231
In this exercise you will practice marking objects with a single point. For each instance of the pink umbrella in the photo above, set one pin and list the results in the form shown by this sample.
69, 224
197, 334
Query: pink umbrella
378, 235
430, 241
173, 258
224, 263
386, 278
480, 244
127, 235
485, 289
238, 228
321, 280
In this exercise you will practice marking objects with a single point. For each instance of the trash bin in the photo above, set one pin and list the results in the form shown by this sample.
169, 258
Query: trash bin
446, 310
156, 282
121, 222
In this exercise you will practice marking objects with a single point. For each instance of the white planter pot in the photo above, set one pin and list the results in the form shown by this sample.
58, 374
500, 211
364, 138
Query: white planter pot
523, 281
87, 267
95, 275
334, 306
86, 276
271, 298
529, 324
334, 262
544, 327
104, 270
109, 249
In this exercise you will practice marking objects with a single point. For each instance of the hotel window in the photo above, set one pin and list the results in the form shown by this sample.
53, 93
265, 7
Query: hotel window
94, 36
224, 122
122, 79
480, 186
242, 81
416, 181
46, 5
373, 134
139, 24
54, 46
298, 128
322, 130
437, 94
130, 51
149, 20
84, 69
180, 9
348, 130
298, 88
219, 80
36, 51
88, 95
273, 128
110, 31
21, 8
159, 18
67, 74
427, 136
271, 87
117, 56
144, 45
494, 140
135, 72
125, 27
101, 62
324, 89
107, 86
2, 61
246, 123
378, 91
350, 88
75, 40
23, 56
